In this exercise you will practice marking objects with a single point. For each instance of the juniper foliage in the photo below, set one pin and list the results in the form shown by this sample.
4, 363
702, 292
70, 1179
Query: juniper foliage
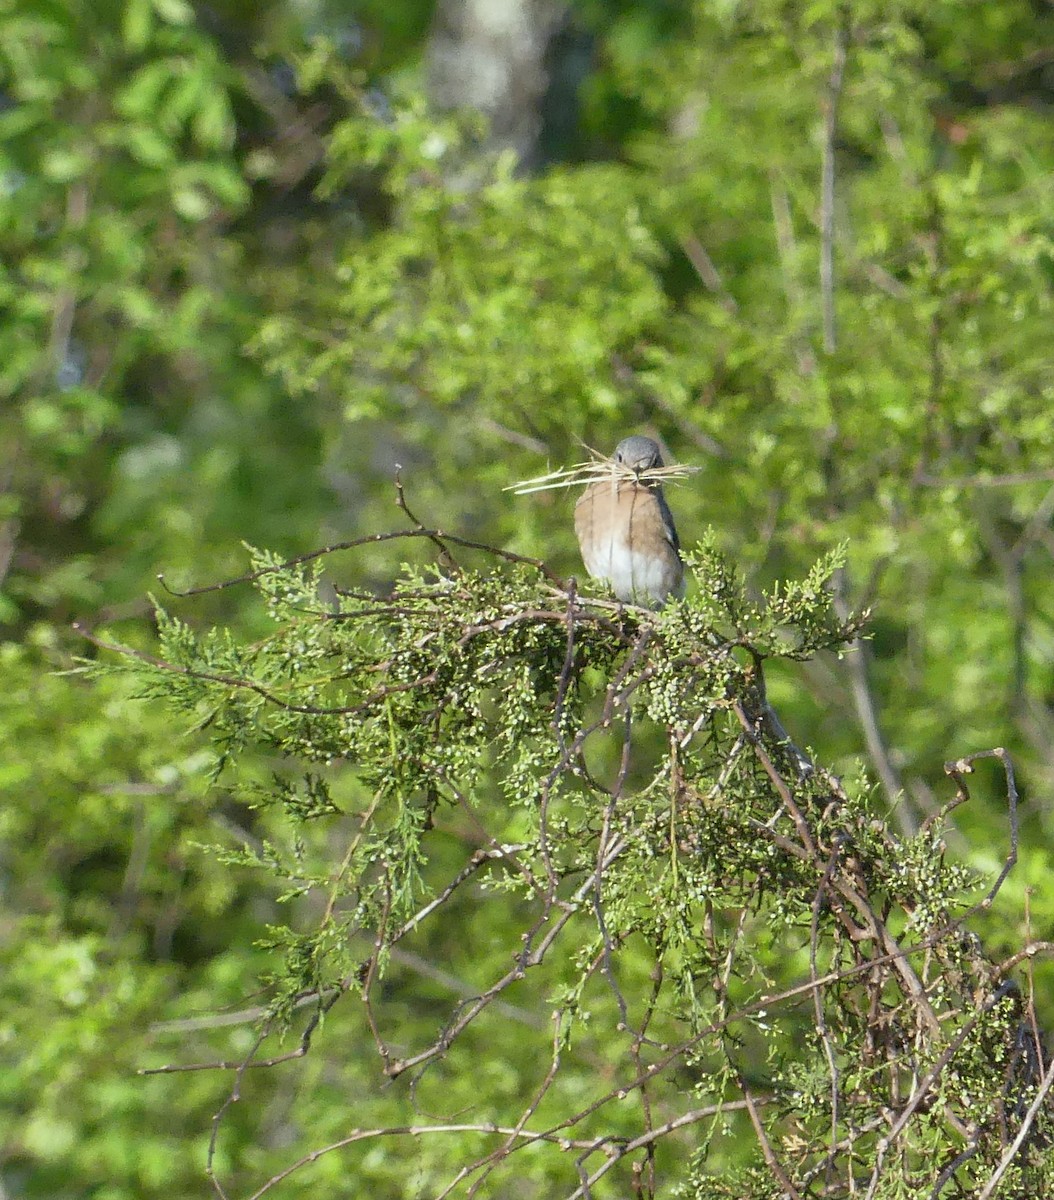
674, 934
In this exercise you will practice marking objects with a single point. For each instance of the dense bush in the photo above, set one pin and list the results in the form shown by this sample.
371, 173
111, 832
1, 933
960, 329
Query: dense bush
246, 271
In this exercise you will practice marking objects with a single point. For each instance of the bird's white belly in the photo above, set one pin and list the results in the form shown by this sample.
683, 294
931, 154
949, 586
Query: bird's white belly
635, 578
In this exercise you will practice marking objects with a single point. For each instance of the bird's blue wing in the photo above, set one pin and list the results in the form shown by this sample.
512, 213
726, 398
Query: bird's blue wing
667, 522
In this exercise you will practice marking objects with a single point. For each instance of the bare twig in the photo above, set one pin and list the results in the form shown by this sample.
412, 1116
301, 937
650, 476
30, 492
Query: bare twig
964, 766
372, 539
1004, 479
697, 255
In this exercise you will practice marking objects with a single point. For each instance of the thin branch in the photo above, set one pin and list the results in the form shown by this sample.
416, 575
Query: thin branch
1022, 1133
857, 661
770, 1156
697, 255
359, 1135
924, 1086
235, 681
488, 1164
964, 766
1005, 479
372, 539
1027, 953
780, 784
817, 1000
620, 1151
603, 850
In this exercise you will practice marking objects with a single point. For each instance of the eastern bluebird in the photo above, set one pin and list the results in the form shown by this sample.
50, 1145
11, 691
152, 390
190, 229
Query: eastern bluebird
626, 531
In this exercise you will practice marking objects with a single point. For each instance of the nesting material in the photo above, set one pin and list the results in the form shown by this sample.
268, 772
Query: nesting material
599, 469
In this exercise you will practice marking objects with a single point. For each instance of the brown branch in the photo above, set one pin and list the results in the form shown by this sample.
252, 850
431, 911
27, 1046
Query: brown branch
858, 665
359, 1135
770, 1156
1005, 479
249, 685
417, 963
1022, 1133
1029, 952
603, 850
697, 255
498, 625
818, 1007
778, 782
631, 1145
370, 540
487, 1165
925, 1085
964, 766
528, 957
445, 557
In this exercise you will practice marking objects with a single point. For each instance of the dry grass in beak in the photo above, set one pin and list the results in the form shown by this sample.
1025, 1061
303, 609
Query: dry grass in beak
598, 470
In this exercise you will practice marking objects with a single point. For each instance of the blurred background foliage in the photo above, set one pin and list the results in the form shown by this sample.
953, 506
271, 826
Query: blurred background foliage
256, 255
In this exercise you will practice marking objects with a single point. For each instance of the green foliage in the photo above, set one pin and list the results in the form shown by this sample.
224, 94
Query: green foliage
448, 300
113, 921
122, 314
245, 272
492, 740
794, 619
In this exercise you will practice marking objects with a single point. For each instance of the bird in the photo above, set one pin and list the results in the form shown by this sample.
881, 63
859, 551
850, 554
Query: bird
626, 531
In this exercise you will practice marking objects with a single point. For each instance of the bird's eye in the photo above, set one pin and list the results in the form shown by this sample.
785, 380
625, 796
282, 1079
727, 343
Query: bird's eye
618, 457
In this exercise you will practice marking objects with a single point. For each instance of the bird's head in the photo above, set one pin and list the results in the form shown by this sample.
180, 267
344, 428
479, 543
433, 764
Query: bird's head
638, 454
